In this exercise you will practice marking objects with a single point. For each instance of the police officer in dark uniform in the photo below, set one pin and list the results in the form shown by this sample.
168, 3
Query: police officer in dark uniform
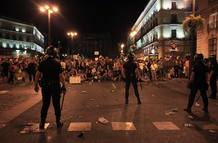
213, 77
198, 81
50, 74
130, 71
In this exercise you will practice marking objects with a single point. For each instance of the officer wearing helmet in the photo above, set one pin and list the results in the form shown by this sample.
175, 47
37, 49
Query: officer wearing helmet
130, 72
198, 81
50, 74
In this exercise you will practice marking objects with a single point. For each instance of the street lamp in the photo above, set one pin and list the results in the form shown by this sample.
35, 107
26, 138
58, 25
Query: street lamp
49, 9
122, 49
71, 35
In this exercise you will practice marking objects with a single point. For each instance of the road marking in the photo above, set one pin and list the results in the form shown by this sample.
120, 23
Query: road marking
79, 126
123, 126
165, 126
3, 92
33, 128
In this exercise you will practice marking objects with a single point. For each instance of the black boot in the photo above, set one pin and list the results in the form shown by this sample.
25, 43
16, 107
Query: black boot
42, 125
59, 124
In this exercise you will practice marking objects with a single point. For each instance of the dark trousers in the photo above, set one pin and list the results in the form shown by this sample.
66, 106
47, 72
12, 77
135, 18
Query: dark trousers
46, 99
135, 86
11, 77
213, 86
193, 94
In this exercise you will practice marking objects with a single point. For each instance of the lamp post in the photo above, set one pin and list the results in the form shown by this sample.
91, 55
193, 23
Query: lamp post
122, 49
49, 9
193, 7
71, 35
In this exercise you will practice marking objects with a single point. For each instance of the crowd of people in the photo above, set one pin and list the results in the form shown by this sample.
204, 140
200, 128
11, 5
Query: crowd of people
15, 69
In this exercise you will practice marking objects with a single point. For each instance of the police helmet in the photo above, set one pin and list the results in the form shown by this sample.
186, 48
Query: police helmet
198, 57
52, 51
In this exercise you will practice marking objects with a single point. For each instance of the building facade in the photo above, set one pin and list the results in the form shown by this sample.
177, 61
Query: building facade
19, 39
158, 32
92, 45
208, 35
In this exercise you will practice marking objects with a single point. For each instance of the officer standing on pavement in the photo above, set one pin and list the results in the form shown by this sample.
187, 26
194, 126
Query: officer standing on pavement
213, 77
50, 74
198, 81
130, 74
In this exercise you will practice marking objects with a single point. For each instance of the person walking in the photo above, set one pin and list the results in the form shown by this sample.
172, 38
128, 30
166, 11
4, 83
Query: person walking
198, 81
213, 77
50, 74
130, 73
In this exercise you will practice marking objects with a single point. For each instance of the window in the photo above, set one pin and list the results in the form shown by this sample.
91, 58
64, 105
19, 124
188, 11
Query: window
174, 19
213, 21
173, 34
212, 46
174, 6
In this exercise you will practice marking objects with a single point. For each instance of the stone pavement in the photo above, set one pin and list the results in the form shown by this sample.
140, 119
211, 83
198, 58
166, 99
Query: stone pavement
160, 118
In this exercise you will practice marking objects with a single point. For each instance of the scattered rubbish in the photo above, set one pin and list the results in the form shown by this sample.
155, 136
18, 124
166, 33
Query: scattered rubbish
81, 135
114, 86
191, 117
169, 113
212, 131
33, 128
112, 91
172, 112
85, 92
197, 104
188, 125
102, 120
174, 109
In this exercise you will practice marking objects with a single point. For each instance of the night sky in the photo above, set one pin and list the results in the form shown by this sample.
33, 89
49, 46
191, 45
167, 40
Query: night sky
84, 16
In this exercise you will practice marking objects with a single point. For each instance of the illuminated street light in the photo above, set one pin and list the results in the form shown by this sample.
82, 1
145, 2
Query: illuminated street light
132, 34
122, 46
72, 34
49, 9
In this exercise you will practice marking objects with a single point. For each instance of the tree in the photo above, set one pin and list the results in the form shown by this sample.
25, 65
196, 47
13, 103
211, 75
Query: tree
192, 24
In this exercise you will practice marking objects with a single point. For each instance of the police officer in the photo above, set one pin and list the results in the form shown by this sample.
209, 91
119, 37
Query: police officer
213, 77
50, 74
198, 81
130, 71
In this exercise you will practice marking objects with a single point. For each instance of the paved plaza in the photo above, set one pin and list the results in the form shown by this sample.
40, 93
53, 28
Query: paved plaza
96, 113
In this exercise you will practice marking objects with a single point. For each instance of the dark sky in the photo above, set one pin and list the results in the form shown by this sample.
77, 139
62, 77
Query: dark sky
85, 16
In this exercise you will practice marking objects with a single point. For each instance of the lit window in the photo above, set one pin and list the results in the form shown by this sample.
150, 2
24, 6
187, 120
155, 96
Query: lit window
4, 45
213, 20
17, 29
212, 46
23, 30
17, 46
11, 45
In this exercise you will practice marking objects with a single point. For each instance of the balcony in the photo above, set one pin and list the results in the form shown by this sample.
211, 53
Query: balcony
212, 27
